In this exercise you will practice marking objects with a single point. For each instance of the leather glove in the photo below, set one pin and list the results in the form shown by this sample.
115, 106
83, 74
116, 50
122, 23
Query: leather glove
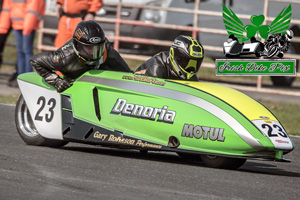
62, 84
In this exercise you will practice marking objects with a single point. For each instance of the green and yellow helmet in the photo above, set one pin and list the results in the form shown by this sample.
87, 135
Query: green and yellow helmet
186, 56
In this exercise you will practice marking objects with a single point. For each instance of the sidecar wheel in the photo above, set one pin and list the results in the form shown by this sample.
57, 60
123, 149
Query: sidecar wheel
222, 162
27, 129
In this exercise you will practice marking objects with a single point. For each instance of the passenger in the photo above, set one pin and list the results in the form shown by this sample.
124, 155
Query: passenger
88, 49
70, 13
182, 61
280, 42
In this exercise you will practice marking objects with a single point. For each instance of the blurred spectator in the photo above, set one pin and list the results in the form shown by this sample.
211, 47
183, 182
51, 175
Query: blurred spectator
24, 16
70, 13
3, 36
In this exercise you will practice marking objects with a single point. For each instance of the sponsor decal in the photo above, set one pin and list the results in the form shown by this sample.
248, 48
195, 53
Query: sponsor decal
281, 141
144, 79
145, 112
78, 34
146, 144
100, 136
95, 40
213, 134
56, 58
126, 141
268, 121
263, 117
119, 139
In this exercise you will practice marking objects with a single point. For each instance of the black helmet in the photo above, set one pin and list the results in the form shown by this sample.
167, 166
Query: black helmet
186, 56
88, 42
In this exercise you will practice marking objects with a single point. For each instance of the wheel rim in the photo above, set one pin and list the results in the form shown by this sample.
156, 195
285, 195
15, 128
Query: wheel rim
25, 122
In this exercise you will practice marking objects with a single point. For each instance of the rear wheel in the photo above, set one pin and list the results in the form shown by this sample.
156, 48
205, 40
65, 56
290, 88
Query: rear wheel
27, 129
222, 162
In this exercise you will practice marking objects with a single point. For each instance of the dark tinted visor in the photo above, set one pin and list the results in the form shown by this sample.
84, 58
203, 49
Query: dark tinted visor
188, 64
90, 52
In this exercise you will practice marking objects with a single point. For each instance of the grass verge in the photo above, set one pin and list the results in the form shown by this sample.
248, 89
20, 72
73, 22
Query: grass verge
287, 113
9, 99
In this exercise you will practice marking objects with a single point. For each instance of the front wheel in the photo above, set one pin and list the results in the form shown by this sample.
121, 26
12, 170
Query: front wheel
222, 162
27, 129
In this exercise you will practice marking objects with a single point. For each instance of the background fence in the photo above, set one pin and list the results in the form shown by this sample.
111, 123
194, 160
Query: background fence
117, 37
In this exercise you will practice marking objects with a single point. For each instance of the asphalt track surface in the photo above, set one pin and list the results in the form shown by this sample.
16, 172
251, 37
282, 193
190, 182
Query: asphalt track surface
88, 172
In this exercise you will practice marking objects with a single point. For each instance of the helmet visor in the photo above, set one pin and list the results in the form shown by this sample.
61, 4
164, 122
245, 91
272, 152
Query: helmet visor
90, 52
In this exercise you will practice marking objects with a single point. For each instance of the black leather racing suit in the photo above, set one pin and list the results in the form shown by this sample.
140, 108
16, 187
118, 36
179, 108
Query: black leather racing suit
159, 66
67, 62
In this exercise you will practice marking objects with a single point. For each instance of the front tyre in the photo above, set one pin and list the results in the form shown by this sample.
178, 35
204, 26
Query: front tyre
27, 130
222, 162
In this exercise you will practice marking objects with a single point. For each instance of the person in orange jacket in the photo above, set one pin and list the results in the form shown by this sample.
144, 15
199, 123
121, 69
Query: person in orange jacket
70, 13
24, 16
3, 37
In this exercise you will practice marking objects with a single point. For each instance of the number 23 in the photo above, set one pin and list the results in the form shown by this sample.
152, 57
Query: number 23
42, 101
274, 132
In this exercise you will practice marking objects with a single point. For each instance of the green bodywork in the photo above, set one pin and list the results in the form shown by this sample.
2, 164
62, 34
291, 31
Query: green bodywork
188, 115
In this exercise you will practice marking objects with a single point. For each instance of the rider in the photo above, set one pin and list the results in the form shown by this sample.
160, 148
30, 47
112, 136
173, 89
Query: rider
181, 62
88, 49
282, 40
